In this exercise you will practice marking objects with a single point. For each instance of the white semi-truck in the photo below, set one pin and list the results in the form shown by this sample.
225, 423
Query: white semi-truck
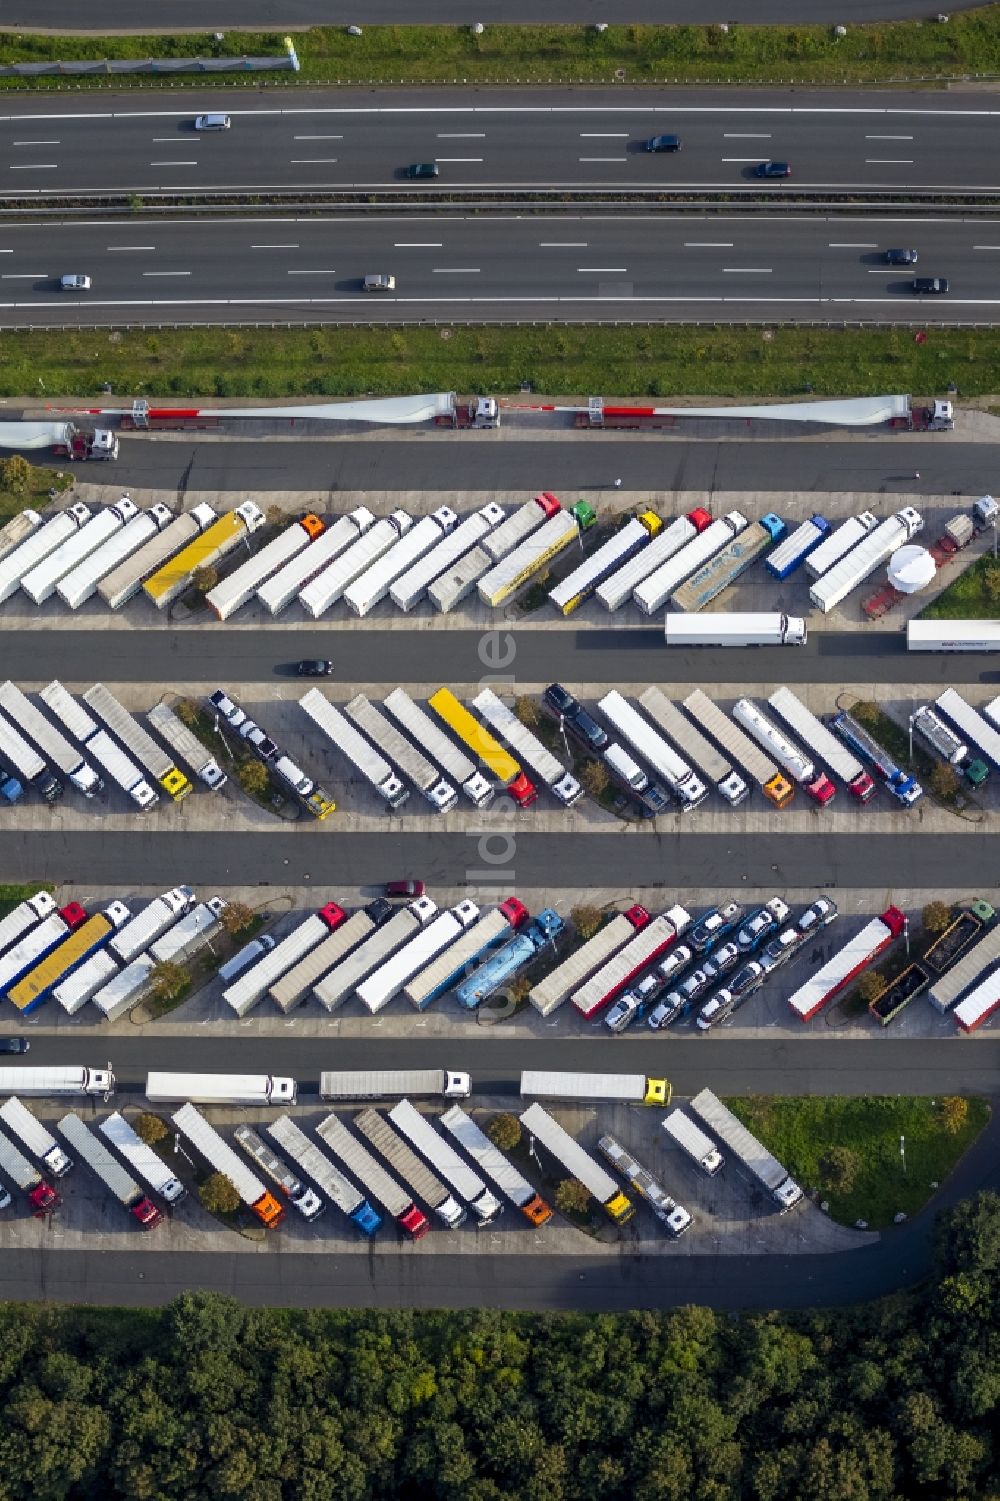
840, 541
116, 1180
82, 983
373, 1177
295, 984
80, 584
374, 584
14, 531
414, 1173
146, 1162
125, 990
279, 591
529, 749
30, 1132
338, 1189
221, 1089
689, 790
109, 756
363, 757
420, 1133
49, 739
619, 588
435, 743
343, 979
40, 544
403, 753
597, 1089
195, 929
220, 1155
186, 746
666, 715
239, 587
28, 764
330, 584
69, 1079
760, 1164
150, 756
412, 586
692, 1140
863, 559
25, 916
124, 582
655, 590
151, 923
40, 584
770, 628
388, 980
393, 1083
578, 1163
491, 1161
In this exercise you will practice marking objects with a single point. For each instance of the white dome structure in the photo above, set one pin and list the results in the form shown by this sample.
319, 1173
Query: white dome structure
911, 569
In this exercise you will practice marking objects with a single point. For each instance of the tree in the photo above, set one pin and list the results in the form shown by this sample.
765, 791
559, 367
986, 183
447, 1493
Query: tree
519, 989
15, 474
944, 781
586, 919
936, 916
952, 1112
504, 1131
218, 1195
968, 1239
572, 1197
168, 980
871, 984
253, 777
235, 917
205, 578
527, 710
275, 515
150, 1129
840, 1167
594, 777
991, 584
187, 712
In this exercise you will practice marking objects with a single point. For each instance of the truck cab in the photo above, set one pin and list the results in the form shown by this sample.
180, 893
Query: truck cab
10, 788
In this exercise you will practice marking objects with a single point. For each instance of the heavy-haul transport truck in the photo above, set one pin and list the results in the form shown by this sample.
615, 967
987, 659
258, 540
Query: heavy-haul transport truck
125, 581
796, 547
41, 1195
551, 991
618, 589
420, 1133
123, 772
186, 746
373, 1177
338, 1189
244, 993
22, 957
38, 1139
735, 629
329, 585
14, 531
502, 965
277, 592
306, 1200
578, 1163
946, 990
858, 564
195, 929
403, 753
82, 983
203, 551
374, 584
295, 984
564, 787
840, 541
518, 526
80, 584
788, 756
150, 756
957, 936
689, 790
388, 980
528, 559
578, 586
496, 1166
728, 783
70, 1079
393, 1083
28, 763
232, 593
823, 743
449, 967
343, 979
672, 1216
50, 740
363, 757
656, 589
110, 1171
221, 1089
764, 1168
984, 736
142, 1158
435, 743
952, 635
40, 583
412, 586
648, 945
483, 745
980, 1004
775, 786
903, 787
25, 916
847, 963
458, 581
898, 993
597, 1089
713, 577
220, 1155
414, 1173
41, 543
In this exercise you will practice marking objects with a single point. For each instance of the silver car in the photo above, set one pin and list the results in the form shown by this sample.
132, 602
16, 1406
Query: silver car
624, 1012
668, 1010
679, 956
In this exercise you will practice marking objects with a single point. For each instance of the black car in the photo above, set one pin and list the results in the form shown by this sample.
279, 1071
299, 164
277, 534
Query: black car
560, 700
314, 669
929, 285
568, 710
14, 1044
663, 143
901, 257
774, 169
423, 169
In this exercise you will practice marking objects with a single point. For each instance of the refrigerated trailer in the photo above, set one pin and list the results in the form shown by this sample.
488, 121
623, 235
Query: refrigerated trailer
38, 1139
147, 1163
25, 916
80, 584
808, 535
110, 757
847, 963
233, 592
556, 986
484, 747
152, 757
840, 541
435, 743
858, 564
449, 967
373, 1177
763, 1167
596, 1089
775, 786
388, 980
496, 1166
815, 735
403, 753
220, 1155
329, 584
656, 589
788, 756
110, 1171
85, 981
49, 739
618, 589
518, 526
363, 757
420, 1133
693, 1142
221, 1089
295, 984
715, 576
125, 581
953, 635
728, 783
372, 586
381, 1084
532, 752
40, 583
338, 1189
689, 790
412, 586
735, 629
203, 551
123, 991
414, 1173
187, 746
250, 987
670, 1214
195, 929
642, 950
345, 976
628, 540
278, 591
578, 1163
69, 1079
40, 544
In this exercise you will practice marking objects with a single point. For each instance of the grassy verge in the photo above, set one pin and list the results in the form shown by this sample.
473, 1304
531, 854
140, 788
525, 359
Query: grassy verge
968, 43
802, 1131
202, 725
33, 490
12, 894
972, 596
938, 781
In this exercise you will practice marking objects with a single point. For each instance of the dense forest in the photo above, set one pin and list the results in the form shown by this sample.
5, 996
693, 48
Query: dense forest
207, 1399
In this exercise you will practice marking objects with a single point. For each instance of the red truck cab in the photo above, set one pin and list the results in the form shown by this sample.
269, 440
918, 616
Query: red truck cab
863, 788
43, 1199
414, 1223
522, 791
73, 915
549, 504
699, 518
332, 915
515, 912
147, 1214
821, 789
637, 916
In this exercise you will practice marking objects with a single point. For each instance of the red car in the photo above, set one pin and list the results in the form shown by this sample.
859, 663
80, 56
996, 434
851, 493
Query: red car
410, 889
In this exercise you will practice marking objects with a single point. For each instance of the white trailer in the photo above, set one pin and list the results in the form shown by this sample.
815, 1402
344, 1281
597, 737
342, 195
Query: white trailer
518, 526
529, 749
23, 955
338, 1189
67, 1080
458, 581
413, 763
421, 1134
382, 1186
670, 1214
508, 575
983, 735
435, 978
596, 1089
221, 1089
215, 543
30, 1132
147, 1163
745, 752
239, 587
192, 933
556, 986
628, 963
374, 584
186, 746
411, 587
619, 588
607, 560
296, 983
383, 1084
416, 1174
41, 1195
735, 629
116, 1180
839, 542
25, 916
344, 978
578, 1163
329, 585
363, 757
728, 783
858, 564
692, 1140
50, 740
823, 743
496, 1166
306, 1200
19, 527
244, 993
40, 584
124, 991
762, 1166
980, 1004
953, 635
278, 592
85, 981
657, 587
388, 980
150, 756
41, 544
984, 954
435, 743
105, 752
28, 763
220, 1155
80, 584
651, 746
125, 581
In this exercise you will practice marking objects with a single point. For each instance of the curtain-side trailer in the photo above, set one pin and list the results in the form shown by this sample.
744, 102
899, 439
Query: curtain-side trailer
80, 584
345, 976
618, 589
775, 786
125, 581
412, 586
414, 1173
444, 971
435, 743
187, 746
655, 590
116, 1180
402, 752
556, 986
666, 715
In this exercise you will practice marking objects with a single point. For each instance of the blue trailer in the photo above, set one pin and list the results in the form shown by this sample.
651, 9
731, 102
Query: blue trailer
796, 547
904, 788
505, 963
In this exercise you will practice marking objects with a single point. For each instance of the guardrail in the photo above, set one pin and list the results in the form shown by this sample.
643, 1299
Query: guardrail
481, 322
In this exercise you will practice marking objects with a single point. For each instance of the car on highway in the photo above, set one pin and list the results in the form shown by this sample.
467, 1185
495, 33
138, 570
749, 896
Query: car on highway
775, 953
382, 282
679, 956
14, 1044
212, 122
929, 285
760, 923
817, 915
423, 169
663, 143
409, 889
224, 705
261, 742
901, 257
773, 169
74, 283
708, 929
312, 667
573, 717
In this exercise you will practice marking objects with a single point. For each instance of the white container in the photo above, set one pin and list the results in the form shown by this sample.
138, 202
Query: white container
984, 736
346, 739
70, 1079
244, 993
656, 589
51, 740
30, 1132
735, 629
152, 757
40, 584
147, 1163
458, 581
421, 1135
507, 576
650, 744
411, 587
125, 581
745, 1148
84, 982
329, 585
980, 1004
432, 980
551, 991
578, 1163
528, 748
278, 592
187, 746
345, 976
221, 1089
839, 542
81, 583
190, 934
744, 751
311, 1160
985, 953
25, 916
389, 979
295, 984
858, 564
953, 635
692, 1140
415, 1173
232, 593
432, 740
123, 992
219, 1154
149, 924
495, 1165
17, 529
41, 544
512, 532
619, 588
374, 584
380, 1084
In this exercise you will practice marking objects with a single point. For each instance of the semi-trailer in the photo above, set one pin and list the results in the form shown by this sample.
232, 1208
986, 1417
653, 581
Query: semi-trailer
239, 587
628, 540
306, 1200
80, 584
648, 945
946, 990
458, 581
372, 586
196, 929
343, 979
151, 923
984, 736
980, 1004
124, 991
373, 1177
728, 783
788, 756
203, 551
421, 1135
220, 1155
69, 1079
330, 583
486, 749
689, 790
388, 980
50, 740
295, 984
110, 757
654, 591
14, 531
245, 992
672, 1216
221, 1089
567, 1151
30, 1132
412, 586
443, 972
41, 1195
147, 1163
435, 743
39, 545
28, 763
833, 753
735, 629
338, 1189
496, 1166
403, 753
967, 926
953, 635
150, 756
715, 576
394, 1083
110, 1171
186, 746
892, 998
855, 566
82, 983
775, 786
793, 551
414, 1173
277, 592
902, 786
518, 526
839, 541
39, 583
529, 558
618, 589
564, 787
848, 962
596, 1089
559, 984
502, 965
941, 739
759, 1163
22, 957
125, 581
25, 916
363, 757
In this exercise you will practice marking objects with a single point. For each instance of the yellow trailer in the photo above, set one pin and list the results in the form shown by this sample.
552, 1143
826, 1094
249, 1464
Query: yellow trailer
483, 746
207, 548
33, 987
534, 552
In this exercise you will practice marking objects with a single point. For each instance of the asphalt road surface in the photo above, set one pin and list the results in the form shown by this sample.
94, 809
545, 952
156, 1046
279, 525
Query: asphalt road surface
448, 263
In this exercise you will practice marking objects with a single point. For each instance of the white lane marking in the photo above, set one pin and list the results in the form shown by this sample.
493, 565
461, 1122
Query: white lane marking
747, 270
329, 271
455, 271
603, 158
6, 252
172, 141
708, 244
603, 135
563, 244
166, 273
34, 166
461, 135
173, 164
130, 247
986, 247
888, 138
313, 161
595, 270
318, 138
37, 143
741, 158
274, 247
852, 245
888, 161
742, 135
24, 276
458, 158
884, 271
418, 245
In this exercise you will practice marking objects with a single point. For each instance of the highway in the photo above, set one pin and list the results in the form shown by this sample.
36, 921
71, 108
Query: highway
498, 264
